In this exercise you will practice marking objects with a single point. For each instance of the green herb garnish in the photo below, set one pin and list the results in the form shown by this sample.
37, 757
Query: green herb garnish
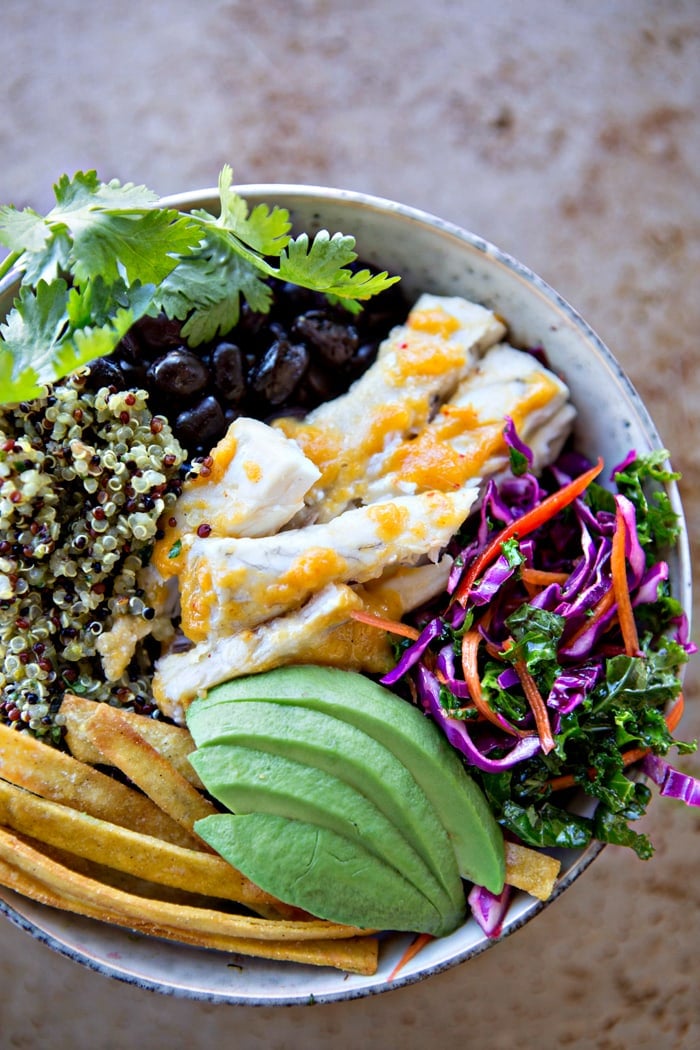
108, 254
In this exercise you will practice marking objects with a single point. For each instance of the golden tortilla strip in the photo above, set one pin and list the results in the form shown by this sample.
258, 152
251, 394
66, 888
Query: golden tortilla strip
128, 851
141, 912
532, 871
122, 746
52, 774
355, 954
173, 742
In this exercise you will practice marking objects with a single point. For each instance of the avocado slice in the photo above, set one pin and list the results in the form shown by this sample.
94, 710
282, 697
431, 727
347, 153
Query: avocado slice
334, 746
475, 835
246, 780
317, 869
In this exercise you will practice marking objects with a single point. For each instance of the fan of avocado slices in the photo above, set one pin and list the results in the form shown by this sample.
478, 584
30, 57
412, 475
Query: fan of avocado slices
343, 800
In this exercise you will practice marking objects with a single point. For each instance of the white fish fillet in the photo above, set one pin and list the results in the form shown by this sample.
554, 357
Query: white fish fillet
465, 438
255, 484
418, 366
230, 584
180, 677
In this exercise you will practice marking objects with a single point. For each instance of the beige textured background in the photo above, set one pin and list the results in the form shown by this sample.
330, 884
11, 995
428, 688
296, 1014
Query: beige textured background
565, 132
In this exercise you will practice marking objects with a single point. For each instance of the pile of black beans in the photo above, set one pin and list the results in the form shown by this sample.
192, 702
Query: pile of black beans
285, 362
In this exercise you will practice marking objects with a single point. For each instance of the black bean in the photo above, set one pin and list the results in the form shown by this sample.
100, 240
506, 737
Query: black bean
362, 359
291, 300
250, 323
334, 342
134, 375
320, 384
228, 371
105, 371
179, 372
129, 348
158, 333
201, 425
280, 371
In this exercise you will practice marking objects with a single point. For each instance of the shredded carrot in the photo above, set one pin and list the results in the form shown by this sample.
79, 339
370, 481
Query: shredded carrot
673, 717
470, 651
537, 706
675, 713
618, 568
382, 624
541, 577
414, 947
568, 780
524, 525
603, 606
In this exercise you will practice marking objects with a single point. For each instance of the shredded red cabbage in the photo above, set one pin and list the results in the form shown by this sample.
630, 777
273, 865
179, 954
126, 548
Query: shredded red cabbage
512, 749
672, 782
564, 631
489, 909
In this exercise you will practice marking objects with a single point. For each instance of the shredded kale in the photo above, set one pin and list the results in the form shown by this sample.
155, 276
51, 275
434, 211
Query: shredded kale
617, 701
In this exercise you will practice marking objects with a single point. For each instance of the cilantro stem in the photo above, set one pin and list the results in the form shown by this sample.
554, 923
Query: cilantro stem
8, 262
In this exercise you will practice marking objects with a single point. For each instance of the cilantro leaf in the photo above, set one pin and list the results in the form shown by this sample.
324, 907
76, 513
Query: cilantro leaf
122, 256
264, 230
53, 331
206, 289
321, 264
30, 335
22, 230
99, 228
143, 247
85, 189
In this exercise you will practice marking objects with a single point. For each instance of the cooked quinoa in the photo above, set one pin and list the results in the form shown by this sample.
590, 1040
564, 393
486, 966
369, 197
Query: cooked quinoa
85, 476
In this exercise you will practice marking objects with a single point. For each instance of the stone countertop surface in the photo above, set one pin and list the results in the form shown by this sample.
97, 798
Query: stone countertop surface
568, 135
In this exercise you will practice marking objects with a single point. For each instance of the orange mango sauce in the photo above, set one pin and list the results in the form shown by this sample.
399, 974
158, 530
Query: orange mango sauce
430, 461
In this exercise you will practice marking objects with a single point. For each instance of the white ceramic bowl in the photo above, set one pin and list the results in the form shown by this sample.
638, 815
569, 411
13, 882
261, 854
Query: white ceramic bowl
435, 256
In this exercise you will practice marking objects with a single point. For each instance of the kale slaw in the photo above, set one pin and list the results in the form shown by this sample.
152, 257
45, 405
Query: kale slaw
553, 662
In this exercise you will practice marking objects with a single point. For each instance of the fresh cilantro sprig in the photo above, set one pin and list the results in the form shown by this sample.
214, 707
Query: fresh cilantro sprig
107, 254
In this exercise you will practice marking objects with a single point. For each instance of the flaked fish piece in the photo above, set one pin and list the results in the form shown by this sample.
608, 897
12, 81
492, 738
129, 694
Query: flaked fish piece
180, 677
230, 584
465, 438
418, 367
253, 484
357, 646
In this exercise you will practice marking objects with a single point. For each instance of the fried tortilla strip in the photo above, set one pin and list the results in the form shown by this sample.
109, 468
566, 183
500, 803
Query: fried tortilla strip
173, 742
31, 764
529, 870
354, 954
127, 851
145, 911
122, 746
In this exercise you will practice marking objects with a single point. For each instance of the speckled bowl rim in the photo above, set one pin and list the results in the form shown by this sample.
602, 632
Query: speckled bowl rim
36, 919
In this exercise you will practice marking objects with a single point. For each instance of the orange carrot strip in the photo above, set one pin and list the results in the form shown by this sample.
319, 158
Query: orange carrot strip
524, 525
675, 713
618, 568
603, 606
392, 626
470, 650
541, 577
537, 706
414, 947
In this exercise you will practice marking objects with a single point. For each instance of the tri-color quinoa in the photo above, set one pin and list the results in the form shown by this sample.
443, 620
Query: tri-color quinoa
87, 472
84, 477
